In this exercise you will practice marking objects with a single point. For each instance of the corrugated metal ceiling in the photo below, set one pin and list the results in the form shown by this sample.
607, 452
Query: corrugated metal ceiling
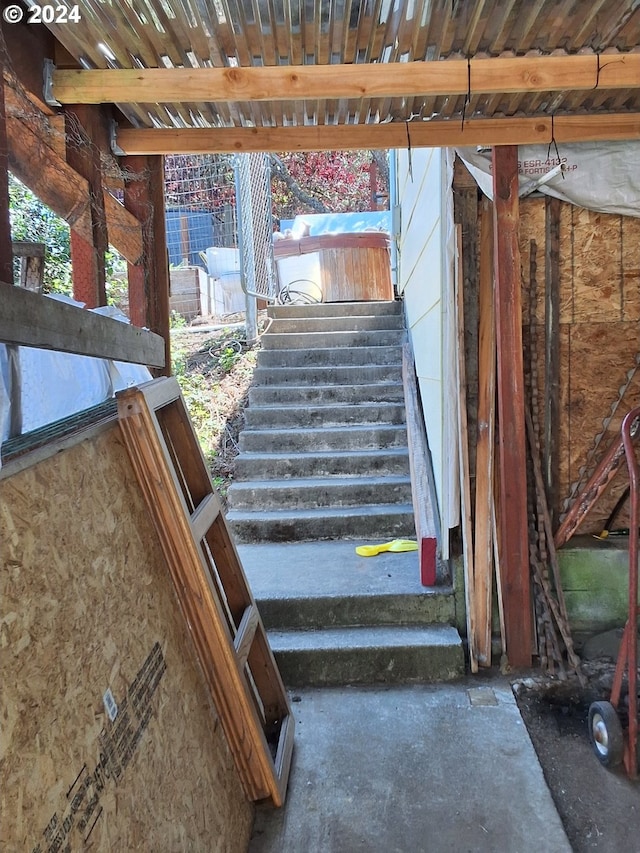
221, 33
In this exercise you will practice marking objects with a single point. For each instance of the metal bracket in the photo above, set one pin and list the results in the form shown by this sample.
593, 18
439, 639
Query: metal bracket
47, 83
113, 139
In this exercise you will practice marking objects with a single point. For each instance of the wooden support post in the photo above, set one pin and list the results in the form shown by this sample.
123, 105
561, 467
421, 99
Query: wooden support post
552, 355
511, 425
6, 253
83, 128
149, 279
483, 539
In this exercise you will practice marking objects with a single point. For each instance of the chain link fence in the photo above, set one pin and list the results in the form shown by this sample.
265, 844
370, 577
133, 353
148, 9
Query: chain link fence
255, 225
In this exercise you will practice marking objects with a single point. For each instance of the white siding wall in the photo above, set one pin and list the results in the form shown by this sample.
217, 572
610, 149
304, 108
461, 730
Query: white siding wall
425, 282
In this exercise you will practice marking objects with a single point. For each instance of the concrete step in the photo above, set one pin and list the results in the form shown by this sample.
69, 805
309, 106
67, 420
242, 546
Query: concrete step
366, 437
255, 466
365, 323
335, 309
357, 609
319, 492
368, 655
331, 338
339, 357
287, 395
351, 375
379, 521
257, 417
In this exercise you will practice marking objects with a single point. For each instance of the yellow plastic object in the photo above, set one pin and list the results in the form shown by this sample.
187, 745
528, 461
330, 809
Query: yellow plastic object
396, 545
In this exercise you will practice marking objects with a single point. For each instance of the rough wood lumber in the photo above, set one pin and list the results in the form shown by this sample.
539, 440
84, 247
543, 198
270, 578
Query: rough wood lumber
6, 254
440, 133
28, 319
561, 612
210, 585
422, 483
463, 466
36, 158
483, 554
551, 442
511, 427
49, 177
604, 473
499, 75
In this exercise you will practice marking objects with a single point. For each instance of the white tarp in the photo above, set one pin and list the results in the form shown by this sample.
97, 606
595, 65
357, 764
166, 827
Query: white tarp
602, 176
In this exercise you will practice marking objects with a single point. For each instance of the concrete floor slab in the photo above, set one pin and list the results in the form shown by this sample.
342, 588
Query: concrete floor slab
294, 569
412, 769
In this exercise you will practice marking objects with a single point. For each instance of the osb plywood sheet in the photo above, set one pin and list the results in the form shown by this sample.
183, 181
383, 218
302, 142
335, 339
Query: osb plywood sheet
88, 607
599, 270
631, 268
597, 278
532, 228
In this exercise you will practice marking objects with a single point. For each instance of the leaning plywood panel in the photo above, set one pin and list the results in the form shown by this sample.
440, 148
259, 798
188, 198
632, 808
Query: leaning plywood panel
109, 739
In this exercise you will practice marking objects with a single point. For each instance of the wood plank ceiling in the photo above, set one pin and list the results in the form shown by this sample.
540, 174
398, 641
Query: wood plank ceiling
279, 36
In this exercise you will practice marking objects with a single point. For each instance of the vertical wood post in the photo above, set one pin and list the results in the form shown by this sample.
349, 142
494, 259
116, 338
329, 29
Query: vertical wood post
552, 354
6, 252
511, 424
82, 126
149, 280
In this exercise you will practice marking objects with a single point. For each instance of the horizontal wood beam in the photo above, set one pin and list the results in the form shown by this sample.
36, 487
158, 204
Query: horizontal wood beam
48, 176
376, 80
124, 230
420, 134
30, 320
61, 188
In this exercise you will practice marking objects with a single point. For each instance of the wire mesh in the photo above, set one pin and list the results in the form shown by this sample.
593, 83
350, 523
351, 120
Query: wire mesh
255, 225
200, 207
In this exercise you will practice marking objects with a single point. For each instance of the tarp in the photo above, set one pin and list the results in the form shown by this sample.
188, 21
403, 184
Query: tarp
599, 176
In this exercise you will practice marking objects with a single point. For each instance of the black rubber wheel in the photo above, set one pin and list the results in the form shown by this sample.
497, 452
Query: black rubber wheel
606, 734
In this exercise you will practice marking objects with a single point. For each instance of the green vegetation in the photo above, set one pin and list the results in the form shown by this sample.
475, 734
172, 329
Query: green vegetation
214, 372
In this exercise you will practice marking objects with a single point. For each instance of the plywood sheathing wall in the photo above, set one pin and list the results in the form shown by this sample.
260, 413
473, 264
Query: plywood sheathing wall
599, 335
87, 605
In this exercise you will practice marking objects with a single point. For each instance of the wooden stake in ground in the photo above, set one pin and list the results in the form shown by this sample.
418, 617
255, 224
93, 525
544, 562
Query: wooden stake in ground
463, 451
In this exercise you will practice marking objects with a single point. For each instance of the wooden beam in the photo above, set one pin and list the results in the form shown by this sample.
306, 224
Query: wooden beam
51, 178
496, 75
6, 251
149, 279
88, 259
30, 320
28, 46
420, 134
124, 230
514, 535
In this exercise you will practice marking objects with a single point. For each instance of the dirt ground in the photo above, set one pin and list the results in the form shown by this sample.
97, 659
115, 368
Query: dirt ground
600, 808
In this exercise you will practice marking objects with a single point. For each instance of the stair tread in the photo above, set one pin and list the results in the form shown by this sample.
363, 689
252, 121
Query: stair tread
333, 404
277, 431
363, 637
320, 482
323, 512
326, 454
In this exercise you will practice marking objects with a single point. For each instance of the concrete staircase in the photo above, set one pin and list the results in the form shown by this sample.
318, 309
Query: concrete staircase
335, 618
323, 456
